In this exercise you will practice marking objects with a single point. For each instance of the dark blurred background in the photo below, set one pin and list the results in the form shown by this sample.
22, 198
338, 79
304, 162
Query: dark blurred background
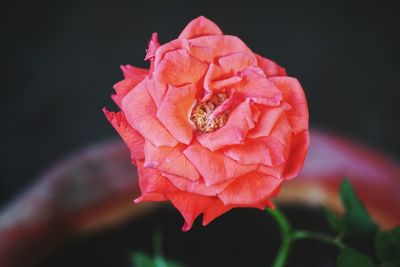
61, 58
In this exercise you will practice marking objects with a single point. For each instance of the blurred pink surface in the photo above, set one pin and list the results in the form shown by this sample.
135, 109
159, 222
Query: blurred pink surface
95, 187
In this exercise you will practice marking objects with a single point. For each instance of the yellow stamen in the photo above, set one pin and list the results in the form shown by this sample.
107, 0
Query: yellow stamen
201, 114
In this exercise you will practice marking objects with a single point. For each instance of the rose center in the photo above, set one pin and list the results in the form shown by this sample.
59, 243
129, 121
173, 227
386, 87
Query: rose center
205, 116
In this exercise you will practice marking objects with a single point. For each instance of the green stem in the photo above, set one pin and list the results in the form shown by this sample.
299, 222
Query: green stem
285, 228
302, 234
289, 236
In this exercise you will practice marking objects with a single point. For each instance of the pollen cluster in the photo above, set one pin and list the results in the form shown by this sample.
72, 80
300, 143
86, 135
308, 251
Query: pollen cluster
202, 114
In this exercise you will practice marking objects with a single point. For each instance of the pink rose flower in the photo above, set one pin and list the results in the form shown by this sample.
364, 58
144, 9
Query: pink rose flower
211, 125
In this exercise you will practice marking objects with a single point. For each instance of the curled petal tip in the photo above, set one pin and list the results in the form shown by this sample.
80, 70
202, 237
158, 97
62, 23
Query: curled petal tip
186, 227
153, 45
138, 200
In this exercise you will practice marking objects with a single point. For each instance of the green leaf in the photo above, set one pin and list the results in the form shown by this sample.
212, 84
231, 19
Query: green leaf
144, 260
334, 221
387, 245
352, 258
356, 220
389, 265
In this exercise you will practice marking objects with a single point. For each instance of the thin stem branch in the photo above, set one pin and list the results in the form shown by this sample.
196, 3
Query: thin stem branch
285, 228
289, 236
303, 234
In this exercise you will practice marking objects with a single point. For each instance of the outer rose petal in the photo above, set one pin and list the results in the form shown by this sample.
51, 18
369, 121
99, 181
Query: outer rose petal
267, 151
152, 185
179, 68
270, 67
297, 155
222, 45
132, 139
214, 166
199, 27
236, 62
174, 112
293, 93
240, 121
153, 45
122, 88
140, 110
189, 205
197, 187
249, 189
133, 72
169, 160
216, 209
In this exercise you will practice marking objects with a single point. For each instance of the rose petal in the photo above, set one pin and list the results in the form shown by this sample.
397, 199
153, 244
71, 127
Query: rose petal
271, 171
293, 93
152, 184
270, 67
132, 138
140, 110
298, 152
153, 45
240, 121
266, 122
236, 62
179, 68
268, 151
122, 88
222, 45
249, 189
174, 112
169, 160
216, 209
189, 205
197, 187
214, 166
133, 72
258, 88
199, 27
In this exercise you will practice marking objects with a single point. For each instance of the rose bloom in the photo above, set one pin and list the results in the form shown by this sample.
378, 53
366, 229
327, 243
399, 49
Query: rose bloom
211, 125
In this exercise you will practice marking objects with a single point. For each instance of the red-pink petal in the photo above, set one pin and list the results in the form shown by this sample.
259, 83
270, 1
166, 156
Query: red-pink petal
266, 122
152, 184
197, 187
189, 205
249, 189
297, 155
132, 138
199, 27
133, 72
140, 111
268, 151
214, 166
258, 88
240, 121
293, 93
153, 45
169, 160
174, 112
179, 68
270, 67
122, 88
271, 171
216, 209
222, 44
236, 62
